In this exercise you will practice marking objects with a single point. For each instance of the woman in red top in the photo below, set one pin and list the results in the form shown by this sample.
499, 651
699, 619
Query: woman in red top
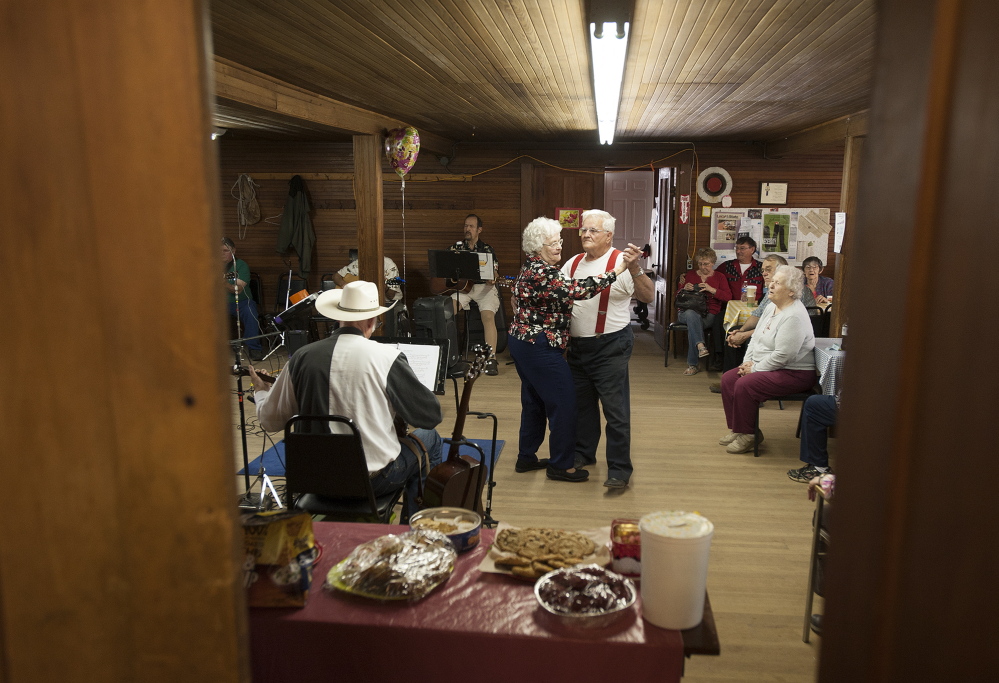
703, 278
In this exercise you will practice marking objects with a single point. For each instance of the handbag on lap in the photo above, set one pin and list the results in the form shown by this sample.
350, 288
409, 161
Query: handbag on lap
695, 301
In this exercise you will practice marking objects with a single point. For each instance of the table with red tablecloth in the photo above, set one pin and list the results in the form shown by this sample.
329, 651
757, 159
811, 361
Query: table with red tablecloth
475, 627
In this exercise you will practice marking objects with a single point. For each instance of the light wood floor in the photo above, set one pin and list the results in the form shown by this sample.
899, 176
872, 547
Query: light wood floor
758, 568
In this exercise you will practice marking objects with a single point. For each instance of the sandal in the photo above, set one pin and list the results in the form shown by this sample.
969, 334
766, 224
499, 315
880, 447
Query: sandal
691, 370
702, 351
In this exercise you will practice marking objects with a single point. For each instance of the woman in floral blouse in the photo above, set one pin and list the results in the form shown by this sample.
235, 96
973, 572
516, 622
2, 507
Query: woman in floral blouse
539, 333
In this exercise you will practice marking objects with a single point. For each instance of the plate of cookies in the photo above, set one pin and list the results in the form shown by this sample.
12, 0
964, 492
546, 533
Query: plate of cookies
530, 553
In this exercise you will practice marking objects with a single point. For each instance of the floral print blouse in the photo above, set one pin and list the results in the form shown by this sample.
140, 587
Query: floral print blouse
542, 300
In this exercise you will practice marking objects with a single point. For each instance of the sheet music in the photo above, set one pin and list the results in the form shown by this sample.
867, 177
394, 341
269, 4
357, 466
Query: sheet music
486, 270
424, 359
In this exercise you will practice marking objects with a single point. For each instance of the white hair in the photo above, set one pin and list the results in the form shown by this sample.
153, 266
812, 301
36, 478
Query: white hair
608, 220
794, 279
539, 231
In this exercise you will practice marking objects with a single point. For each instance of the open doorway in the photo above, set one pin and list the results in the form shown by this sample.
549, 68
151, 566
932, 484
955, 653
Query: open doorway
629, 196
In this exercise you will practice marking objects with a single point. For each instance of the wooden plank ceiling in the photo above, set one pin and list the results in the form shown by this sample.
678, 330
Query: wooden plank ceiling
519, 70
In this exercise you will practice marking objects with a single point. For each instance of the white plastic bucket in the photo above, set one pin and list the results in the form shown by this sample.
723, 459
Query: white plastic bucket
675, 548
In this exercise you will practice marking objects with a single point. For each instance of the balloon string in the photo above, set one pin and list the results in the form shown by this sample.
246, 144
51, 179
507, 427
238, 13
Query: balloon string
404, 278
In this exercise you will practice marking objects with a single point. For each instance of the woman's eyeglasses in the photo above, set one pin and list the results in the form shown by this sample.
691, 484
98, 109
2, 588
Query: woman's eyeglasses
556, 243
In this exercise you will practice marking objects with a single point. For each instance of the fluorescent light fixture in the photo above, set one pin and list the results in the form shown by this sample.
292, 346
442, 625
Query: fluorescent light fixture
608, 48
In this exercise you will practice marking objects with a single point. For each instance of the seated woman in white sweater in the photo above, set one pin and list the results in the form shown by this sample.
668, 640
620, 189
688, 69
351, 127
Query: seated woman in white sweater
779, 360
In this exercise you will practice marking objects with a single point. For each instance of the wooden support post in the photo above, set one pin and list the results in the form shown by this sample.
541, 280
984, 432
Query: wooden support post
370, 213
847, 203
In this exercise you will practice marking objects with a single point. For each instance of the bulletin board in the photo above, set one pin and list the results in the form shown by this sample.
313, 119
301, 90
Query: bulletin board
793, 233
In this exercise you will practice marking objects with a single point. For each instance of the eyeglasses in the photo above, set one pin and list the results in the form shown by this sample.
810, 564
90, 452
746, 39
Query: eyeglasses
592, 231
556, 243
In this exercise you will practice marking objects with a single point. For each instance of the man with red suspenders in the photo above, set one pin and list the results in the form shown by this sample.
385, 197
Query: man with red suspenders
600, 348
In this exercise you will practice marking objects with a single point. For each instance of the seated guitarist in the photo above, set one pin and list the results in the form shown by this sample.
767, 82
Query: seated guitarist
351, 272
482, 293
372, 384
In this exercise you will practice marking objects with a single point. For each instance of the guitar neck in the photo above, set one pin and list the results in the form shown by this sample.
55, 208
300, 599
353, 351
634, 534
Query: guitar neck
466, 395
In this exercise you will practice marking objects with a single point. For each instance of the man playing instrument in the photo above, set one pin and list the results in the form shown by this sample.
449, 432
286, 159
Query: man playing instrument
484, 293
374, 385
351, 272
236, 275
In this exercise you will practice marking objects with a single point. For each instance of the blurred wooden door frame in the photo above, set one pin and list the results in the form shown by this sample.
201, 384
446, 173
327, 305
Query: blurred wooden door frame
122, 561
911, 590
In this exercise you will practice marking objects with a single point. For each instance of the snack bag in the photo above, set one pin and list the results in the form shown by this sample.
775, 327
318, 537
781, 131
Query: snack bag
280, 552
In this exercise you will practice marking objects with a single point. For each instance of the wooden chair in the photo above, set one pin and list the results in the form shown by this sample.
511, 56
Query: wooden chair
331, 474
820, 546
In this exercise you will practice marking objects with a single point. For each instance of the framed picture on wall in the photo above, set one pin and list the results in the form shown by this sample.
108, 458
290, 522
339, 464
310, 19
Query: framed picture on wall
569, 219
773, 193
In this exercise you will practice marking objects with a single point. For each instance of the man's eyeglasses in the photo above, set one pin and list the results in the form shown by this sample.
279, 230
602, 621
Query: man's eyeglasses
556, 243
592, 231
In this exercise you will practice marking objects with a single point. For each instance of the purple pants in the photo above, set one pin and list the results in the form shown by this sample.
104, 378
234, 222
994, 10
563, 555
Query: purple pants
742, 395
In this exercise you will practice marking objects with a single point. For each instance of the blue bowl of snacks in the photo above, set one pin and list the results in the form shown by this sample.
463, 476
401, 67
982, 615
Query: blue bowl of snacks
463, 527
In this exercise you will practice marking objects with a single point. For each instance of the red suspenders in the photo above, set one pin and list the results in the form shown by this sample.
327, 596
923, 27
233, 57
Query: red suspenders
605, 294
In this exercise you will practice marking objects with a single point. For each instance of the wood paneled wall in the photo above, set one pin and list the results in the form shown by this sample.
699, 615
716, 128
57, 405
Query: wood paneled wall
814, 181
435, 210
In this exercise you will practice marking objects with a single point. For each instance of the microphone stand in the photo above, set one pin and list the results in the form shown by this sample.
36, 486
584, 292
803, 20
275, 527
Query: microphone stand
250, 501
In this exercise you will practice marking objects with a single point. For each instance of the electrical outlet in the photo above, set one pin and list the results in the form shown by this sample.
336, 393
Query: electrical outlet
690, 264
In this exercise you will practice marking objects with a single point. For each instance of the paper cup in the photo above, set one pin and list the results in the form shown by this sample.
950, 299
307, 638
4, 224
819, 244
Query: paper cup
675, 547
750, 293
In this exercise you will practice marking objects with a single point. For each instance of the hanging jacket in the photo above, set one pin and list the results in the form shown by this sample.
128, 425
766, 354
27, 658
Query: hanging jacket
296, 226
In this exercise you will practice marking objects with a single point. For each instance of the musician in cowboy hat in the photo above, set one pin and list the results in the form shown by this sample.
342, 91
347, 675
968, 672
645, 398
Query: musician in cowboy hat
372, 384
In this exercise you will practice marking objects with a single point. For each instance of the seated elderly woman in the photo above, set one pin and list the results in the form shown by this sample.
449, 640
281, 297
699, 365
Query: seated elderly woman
779, 360
715, 285
539, 333
820, 287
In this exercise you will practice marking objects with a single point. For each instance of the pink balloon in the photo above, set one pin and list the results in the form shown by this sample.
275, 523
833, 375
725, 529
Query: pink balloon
402, 146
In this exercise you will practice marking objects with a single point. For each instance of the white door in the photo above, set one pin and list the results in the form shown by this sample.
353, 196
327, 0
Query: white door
629, 197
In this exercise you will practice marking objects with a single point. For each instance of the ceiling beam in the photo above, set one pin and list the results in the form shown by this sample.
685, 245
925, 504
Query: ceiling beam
817, 137
241, 87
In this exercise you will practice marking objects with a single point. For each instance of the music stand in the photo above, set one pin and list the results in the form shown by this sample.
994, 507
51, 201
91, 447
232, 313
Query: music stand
439, 372
454, 265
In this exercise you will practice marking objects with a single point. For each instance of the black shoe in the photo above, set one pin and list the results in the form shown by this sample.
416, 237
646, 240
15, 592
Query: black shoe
582, 462
566, 475
615, 483
529, 466
817, 624
256, 354
492, 367
715, 388
804, 475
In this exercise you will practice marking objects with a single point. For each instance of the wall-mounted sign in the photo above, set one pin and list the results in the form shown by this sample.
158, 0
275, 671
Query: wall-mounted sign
773, 193
684, 208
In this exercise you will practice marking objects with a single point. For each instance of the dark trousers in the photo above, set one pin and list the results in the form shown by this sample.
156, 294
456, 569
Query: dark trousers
817, 415
247, 315
404, 471
547, 398
600, 371
732, 356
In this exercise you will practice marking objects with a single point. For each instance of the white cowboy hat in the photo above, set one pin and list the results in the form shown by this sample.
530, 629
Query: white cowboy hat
358, 300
